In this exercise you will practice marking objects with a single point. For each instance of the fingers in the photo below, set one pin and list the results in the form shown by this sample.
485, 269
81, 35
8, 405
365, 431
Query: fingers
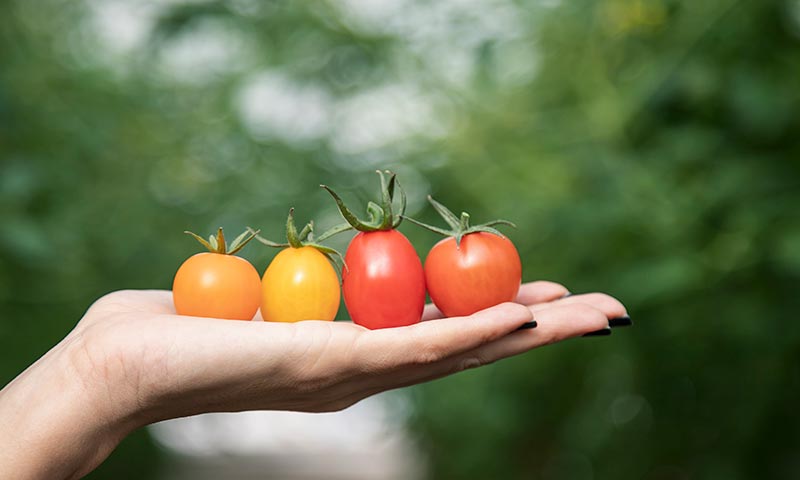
538, 292
607, 304
529, 294
555, 324
429, 343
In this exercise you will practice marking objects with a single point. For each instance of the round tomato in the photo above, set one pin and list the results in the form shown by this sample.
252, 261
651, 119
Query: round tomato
217, 285
383, 280
481, 272
299, 284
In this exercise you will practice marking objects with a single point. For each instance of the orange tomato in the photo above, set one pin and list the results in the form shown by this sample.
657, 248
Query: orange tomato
299, 284
217, 285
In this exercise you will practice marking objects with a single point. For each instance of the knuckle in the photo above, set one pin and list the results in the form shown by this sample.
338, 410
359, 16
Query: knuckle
588, 313
474, 361
581, 309
605, 301
554, 287
428, 354
548, 337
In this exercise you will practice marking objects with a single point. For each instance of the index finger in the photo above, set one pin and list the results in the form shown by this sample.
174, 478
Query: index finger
428, 343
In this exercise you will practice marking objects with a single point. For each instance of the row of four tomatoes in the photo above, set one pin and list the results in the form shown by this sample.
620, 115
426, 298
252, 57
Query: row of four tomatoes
382, 278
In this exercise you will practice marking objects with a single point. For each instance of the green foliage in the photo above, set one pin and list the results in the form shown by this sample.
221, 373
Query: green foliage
644, 148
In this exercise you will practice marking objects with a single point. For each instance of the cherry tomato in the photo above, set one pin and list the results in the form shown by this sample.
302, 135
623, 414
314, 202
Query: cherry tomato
383, 281
299, 284
217, 285
483, 271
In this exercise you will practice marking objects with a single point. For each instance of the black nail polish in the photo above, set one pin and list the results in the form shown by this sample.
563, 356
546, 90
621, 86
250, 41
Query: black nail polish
623, 321
527, 326
603, 332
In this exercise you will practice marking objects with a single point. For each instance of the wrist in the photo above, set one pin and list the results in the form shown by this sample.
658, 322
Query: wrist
57, 420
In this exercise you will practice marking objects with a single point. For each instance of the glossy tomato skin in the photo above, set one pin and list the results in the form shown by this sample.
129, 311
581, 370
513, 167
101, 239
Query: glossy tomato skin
218, 286
383, 282
299, 284
483, 271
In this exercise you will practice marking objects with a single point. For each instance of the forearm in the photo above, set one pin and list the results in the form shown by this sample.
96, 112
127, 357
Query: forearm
53, 424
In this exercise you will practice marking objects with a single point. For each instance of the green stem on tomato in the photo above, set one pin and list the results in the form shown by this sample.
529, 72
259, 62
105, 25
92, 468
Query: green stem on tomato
380, 217
459, 226
305, 238
217, 244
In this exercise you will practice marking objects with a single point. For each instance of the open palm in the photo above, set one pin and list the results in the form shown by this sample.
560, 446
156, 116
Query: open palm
170, 365
132, 361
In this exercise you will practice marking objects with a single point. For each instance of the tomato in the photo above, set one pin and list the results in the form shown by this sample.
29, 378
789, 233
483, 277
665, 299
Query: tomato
299, 284
217, 285
483, 271
383, 281
475, 268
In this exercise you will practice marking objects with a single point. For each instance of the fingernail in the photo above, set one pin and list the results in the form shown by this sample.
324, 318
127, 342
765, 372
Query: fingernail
603, 332
568, 294
527, 326
623, 321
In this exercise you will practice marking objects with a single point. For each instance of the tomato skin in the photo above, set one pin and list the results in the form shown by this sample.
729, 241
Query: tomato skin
299, 284
218, 286
383, 282
483, 271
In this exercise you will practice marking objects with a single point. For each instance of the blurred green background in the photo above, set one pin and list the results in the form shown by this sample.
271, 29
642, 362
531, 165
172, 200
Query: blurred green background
648, 149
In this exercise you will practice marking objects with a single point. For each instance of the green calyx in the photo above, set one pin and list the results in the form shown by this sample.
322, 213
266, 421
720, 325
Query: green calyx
217, 244
305, 237
459, 226
380, 217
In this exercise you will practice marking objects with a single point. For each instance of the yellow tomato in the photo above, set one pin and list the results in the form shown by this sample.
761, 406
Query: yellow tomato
299, 284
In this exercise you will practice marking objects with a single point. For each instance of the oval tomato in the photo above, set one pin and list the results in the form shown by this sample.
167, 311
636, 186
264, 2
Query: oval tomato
217, 285
483, 271
383, 281
299, 284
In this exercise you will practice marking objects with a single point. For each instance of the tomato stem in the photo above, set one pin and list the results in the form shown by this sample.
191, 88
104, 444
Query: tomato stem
380, 217
459, 226
217, 244
343, 227
291, 230
305, 238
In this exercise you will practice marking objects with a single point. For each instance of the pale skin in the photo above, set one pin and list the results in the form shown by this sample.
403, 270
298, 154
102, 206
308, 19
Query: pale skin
132, 361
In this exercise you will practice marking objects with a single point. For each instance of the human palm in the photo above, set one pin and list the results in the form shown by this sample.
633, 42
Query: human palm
173, 365
132, 361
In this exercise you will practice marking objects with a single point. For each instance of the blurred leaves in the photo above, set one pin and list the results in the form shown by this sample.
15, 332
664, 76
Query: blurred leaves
644, 148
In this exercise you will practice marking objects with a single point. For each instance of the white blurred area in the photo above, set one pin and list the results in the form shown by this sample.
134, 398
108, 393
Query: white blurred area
365, 441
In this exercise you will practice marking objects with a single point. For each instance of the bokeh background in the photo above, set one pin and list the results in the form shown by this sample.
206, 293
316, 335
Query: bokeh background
648, 149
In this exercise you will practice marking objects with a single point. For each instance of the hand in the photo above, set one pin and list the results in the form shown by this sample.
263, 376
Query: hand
132, 361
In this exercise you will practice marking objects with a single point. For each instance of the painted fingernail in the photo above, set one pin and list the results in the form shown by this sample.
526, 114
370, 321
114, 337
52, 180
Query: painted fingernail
623, 321
527, 326
603, 332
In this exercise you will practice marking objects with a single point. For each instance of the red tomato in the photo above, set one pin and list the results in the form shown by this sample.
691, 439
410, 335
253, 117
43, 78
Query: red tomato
383, 281
483, 271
